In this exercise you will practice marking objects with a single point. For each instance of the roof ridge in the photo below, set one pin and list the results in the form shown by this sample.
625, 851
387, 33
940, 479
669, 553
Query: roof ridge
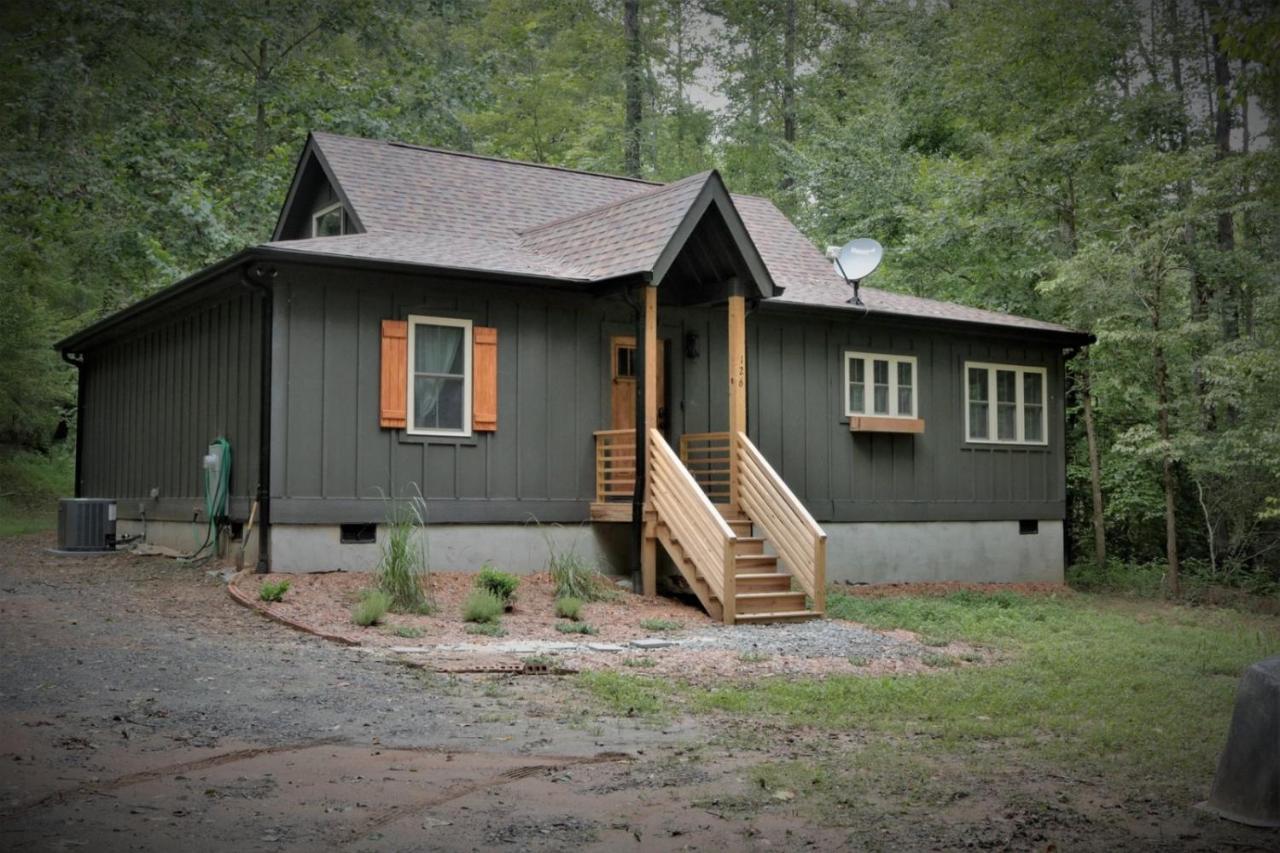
413, 146
595, 211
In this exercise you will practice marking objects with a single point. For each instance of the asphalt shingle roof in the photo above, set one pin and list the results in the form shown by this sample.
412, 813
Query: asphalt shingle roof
464, 211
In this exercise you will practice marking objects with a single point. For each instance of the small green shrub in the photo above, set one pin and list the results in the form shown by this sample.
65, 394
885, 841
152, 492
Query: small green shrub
373, 605
575, 628
406, 631
753, 657
660, 625
273, 590
501, 584
938, 661
643, 662
859, 660
487, 629
482, 606
569, 608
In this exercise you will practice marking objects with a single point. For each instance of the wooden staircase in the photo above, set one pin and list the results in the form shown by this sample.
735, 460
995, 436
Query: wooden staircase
726, 556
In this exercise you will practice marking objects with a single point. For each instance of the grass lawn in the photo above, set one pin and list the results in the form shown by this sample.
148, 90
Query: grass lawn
1135, 694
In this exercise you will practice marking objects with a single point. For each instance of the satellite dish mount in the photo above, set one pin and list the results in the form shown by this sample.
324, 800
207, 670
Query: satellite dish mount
856, 260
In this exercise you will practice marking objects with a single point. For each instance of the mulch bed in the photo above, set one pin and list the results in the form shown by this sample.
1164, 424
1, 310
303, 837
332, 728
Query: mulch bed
324, 602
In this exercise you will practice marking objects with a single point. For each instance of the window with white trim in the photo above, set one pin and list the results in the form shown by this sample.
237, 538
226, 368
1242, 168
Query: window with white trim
330, 221
880, 385
439, 376
1005, 404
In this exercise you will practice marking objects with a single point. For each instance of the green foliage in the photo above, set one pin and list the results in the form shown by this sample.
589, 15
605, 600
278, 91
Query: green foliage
575, 628
32, 483
481, 605
660, 625
273, 590
373, 605
628, 695
501, 584
569, 608
753, 657
486, 629
640, 662
407, 631
402, 567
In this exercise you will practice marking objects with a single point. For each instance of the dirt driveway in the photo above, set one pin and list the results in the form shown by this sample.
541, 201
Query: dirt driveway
141, 709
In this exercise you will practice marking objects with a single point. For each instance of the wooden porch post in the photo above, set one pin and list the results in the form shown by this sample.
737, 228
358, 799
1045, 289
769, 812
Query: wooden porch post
737, 387
649, 545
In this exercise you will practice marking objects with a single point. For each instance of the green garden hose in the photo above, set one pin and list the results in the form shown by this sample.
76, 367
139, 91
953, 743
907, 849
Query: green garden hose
217, 490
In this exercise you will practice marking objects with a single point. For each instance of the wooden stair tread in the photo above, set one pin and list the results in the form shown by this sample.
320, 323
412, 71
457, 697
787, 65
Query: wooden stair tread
778, 616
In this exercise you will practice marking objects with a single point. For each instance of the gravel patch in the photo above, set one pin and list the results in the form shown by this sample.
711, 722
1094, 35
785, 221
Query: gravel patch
819, 638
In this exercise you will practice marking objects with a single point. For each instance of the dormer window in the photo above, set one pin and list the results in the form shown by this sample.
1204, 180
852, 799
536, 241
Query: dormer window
330, 221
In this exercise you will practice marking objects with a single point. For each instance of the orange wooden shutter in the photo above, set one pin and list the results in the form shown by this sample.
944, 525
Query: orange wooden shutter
484, 381
393, 407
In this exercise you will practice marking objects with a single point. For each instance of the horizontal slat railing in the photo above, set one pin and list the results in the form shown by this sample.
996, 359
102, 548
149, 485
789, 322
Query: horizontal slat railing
708, 456
615, 465
694, 522
770, 503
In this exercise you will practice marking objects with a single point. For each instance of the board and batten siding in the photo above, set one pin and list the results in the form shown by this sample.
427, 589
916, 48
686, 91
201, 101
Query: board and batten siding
796, 418
333, 463
154, 399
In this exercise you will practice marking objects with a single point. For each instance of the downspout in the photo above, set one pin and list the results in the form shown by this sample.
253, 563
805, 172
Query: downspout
259, 279
637, 495
78, 362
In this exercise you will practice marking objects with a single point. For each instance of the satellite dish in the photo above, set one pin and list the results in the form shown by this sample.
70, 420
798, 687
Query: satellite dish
856, 260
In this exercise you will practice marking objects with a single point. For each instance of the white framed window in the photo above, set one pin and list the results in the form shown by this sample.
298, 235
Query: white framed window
439, 376
329, 221
1005, 404
880, 385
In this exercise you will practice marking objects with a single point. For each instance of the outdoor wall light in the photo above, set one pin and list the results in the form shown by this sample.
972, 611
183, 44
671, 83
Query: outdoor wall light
691, 345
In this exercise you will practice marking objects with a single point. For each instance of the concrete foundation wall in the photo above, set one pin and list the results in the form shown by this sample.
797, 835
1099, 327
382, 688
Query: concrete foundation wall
971, 551
180, 536
518, 548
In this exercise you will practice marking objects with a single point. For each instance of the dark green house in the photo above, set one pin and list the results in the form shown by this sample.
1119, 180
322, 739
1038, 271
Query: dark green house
487, 331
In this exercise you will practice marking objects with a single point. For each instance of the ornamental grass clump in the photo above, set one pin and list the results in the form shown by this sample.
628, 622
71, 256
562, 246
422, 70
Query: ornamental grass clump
482, 606
574, 577
372, 607
569, 608
402, 567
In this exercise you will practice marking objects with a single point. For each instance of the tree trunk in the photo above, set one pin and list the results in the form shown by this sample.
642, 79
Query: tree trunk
1170, 502
1222, 145
789, 89
1095, 469
260, 99
634, 109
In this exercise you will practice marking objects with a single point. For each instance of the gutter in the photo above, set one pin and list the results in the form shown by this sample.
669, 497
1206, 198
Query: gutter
260, 280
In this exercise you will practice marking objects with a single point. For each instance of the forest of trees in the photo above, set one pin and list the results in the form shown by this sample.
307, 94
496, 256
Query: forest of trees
1102, 163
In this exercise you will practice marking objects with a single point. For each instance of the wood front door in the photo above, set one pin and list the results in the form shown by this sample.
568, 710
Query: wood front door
624, 365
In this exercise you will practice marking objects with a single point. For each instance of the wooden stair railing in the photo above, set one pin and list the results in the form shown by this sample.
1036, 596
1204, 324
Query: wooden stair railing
699, 540
615, 464
708, 456
768, 502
